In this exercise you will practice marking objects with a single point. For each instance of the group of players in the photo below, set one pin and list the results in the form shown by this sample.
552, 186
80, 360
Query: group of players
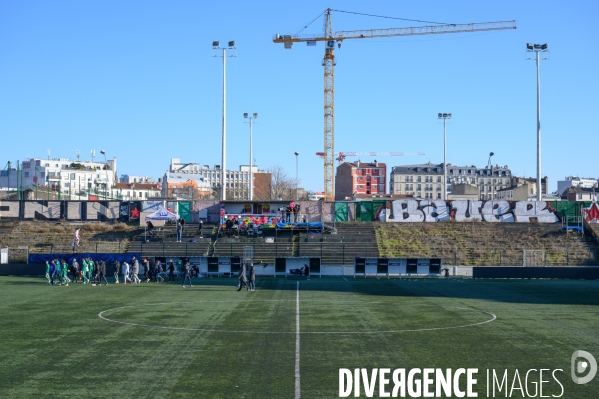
59, 272
89, 272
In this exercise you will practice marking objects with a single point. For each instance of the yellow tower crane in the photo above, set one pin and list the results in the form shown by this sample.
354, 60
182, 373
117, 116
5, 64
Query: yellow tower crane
328, 63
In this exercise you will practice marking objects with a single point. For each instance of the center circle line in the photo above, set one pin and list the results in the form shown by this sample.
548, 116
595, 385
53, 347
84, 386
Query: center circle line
101, 315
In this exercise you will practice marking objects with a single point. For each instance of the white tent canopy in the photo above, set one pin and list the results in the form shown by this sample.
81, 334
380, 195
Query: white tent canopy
162, 214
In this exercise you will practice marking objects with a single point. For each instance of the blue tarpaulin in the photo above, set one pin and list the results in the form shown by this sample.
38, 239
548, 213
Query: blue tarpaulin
108, 258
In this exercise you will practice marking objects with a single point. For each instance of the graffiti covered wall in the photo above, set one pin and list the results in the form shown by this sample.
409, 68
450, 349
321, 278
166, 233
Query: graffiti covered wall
71, 210
391, 211
469, 211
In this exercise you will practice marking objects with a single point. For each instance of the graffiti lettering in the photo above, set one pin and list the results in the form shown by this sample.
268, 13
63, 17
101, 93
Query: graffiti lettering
95, 210
36, 210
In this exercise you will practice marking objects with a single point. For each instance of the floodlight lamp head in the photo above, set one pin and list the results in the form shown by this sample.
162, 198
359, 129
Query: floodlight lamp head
529, 46
215, 43
232, 43
255, 114
296, 153
449, 116
245, 114
491, 154
440, 115
537, 46
544, 46
102, 152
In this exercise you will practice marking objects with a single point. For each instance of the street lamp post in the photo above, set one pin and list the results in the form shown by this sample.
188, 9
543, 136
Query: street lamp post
216, 46
36, 182
537, 49
490, 167
106, 174
296, 178
444, 116
254, 116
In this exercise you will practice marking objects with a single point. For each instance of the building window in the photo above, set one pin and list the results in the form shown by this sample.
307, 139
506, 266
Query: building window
418, 179
438, 195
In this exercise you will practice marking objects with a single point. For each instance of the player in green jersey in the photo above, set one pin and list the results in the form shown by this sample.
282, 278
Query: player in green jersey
48, 272
84, 270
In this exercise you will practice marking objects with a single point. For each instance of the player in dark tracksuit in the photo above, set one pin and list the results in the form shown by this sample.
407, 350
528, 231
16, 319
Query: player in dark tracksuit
117, 267
102, 272
242, 278
75, 270
252, 277
171, 271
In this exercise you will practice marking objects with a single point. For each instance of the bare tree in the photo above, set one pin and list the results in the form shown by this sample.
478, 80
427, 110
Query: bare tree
282, 185
216, 190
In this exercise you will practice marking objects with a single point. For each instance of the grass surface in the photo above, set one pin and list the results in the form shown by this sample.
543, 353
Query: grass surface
162, 341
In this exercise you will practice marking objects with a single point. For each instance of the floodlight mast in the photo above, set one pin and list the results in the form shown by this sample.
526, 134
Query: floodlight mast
328, 63
444, 116
223, 171
537, 49
251, 192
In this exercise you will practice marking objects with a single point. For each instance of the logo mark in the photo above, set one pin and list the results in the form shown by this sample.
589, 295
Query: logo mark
581, 366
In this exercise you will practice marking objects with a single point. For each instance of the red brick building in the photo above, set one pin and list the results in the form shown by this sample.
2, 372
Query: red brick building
360, 178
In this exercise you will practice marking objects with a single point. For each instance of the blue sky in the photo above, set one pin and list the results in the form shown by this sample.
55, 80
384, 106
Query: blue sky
138, 79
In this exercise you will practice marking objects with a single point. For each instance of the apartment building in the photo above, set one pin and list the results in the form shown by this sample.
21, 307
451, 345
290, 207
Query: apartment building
360, 178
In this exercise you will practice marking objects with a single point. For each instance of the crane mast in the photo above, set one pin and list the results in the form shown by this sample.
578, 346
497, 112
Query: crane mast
328, 62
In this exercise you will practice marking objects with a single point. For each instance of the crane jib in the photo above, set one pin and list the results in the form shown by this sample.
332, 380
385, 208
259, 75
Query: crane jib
389, 32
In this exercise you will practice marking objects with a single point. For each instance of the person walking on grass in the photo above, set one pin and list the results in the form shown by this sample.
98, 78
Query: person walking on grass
242, 278
52, 272
65, 272
186, 275
252, 277
58, 274
92, 269
146, 270
75, 270
155, 270
84, 270
126, 270
101, 267
116, 266
135, 270
48, 272
171, 271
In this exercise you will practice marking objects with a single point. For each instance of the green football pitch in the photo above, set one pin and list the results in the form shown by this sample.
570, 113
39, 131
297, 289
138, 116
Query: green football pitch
289, 338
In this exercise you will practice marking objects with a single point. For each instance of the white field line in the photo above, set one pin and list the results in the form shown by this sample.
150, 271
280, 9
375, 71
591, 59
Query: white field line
297, 345
297, 332
344, 278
